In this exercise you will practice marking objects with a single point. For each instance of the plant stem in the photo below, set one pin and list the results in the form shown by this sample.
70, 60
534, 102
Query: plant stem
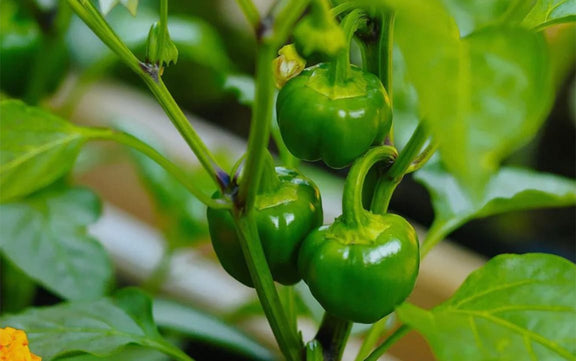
377, 51
388, 183
250, 12
164, 13
288, 340
332, 335
436, 233
174, 170
92, 17
380, 350
288, 299
259, 128
271, 36
423, 157
342, 63
372, 337
181, 123
288, 160
352, 208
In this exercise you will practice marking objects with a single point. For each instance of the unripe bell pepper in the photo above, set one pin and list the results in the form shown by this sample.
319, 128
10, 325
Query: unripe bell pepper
363, 265
335, 121
288, 206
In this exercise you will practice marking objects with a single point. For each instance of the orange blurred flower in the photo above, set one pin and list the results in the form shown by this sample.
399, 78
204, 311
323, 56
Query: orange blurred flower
14, 346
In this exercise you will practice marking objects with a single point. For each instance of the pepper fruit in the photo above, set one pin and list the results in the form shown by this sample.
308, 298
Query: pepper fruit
334, 111
320, 119
363, 265
288, 206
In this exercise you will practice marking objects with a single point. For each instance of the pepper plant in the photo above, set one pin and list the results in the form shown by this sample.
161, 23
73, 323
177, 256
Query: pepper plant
443, 89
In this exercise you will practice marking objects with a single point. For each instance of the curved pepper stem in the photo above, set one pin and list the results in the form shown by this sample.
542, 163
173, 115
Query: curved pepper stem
341, 65
352, 208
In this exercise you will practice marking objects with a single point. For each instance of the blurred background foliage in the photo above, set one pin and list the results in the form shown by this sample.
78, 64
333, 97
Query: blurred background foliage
212, 79
215, 43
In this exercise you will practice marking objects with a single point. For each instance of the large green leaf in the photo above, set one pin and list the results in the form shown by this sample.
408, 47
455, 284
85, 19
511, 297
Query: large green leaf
508, 190
36, 148
472, 15
45, 236
482, 96
202, 327
549, 12
128, 353
513, 308
97, 327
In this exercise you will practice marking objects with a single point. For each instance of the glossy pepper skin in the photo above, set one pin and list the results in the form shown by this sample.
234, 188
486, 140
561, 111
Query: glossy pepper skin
361, 277
331, 121
363, 265
287, 209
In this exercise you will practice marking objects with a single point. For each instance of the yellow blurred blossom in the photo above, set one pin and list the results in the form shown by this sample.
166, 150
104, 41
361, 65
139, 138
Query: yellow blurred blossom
14, 346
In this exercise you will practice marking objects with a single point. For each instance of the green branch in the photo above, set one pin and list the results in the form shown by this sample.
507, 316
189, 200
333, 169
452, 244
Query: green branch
332, 335
371, 338
380, 350
250, 12
92, 17
388, 183
174, 170
284, 330
271, 36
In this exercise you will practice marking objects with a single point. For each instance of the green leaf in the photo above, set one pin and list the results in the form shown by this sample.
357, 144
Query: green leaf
98, 327
128, 353
513, 308
45, 236
405, 100
107, 5
508, 190
550, 12
202, 327
488, 93
472, 15
36, 148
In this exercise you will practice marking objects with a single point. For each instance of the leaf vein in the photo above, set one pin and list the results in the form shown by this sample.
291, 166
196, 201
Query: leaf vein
45, 147
552, 346
492, 290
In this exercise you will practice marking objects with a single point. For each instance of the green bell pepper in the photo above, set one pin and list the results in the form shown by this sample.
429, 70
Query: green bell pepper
334, 111
364, 264
288, 206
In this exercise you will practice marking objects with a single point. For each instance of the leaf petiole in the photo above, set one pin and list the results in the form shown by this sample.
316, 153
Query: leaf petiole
174, 170
92, 17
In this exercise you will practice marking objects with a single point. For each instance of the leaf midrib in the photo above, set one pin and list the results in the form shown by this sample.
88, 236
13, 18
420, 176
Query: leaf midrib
522, 331
36, 151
